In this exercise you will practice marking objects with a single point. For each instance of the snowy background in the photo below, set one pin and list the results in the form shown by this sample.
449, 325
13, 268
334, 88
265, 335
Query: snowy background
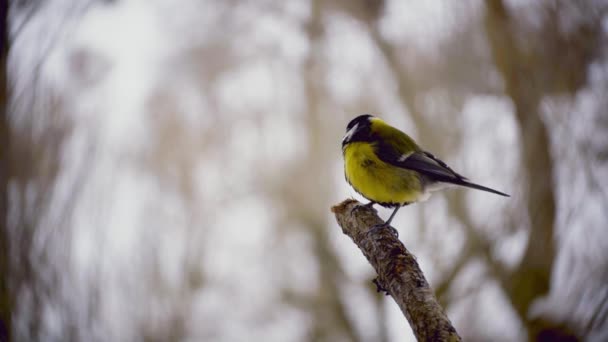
174, 162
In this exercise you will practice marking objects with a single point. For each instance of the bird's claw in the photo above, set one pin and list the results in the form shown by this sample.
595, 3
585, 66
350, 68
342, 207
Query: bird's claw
379, 287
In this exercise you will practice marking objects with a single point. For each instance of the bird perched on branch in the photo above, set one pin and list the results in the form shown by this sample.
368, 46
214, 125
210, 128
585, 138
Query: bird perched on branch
387, 167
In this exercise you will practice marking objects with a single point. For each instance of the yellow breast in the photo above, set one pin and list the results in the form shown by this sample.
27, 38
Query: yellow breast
376, 180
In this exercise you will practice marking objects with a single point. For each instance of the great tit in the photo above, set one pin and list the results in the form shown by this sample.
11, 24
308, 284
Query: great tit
387, 167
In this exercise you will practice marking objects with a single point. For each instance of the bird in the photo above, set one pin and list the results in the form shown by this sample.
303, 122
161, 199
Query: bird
388, 168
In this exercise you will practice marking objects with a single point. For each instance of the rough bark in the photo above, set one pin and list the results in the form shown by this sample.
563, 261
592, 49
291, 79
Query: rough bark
398, 272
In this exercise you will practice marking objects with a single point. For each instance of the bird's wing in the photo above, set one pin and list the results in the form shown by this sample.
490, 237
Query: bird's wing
429, 166
397, 148
420, 161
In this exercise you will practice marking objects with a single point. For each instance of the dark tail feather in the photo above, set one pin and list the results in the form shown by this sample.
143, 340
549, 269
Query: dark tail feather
479, 187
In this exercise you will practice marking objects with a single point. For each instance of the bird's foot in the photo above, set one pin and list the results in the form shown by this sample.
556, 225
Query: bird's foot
374, 229
379, 287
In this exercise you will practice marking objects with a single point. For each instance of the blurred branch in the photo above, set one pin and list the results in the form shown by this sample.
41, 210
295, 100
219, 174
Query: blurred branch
532, 278
370, 13
331, 320
478, 242
329, 295
398, 272
383, 322
405, 86
5, 297
442, 287
599, 317
71, 15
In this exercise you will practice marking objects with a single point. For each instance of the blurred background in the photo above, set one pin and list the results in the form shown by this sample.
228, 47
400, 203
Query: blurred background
167, 167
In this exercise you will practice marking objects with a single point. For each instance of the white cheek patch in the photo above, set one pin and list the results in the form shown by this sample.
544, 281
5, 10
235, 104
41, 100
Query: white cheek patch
350, 133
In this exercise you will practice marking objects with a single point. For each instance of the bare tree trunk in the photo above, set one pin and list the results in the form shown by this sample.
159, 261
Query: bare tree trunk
398, 272
523, 84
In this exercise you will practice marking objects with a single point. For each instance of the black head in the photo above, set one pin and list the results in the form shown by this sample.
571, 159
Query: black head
357, 129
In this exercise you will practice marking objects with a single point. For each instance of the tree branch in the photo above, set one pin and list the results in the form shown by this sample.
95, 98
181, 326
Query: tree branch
398, 272
443, 286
